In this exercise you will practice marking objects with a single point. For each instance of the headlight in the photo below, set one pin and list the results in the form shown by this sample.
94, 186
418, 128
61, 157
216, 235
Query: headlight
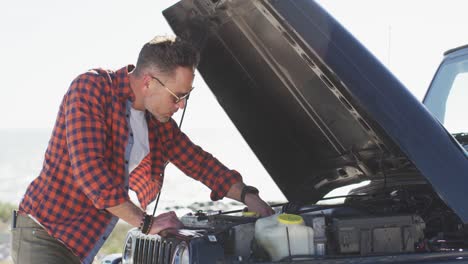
129, 248
181, 254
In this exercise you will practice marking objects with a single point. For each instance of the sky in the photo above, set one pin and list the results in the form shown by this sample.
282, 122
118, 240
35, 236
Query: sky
45, 44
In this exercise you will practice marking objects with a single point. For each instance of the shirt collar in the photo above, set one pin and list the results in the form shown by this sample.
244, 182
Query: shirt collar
123, 83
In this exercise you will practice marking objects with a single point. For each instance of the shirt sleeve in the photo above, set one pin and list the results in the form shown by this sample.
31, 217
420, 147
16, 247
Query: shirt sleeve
86, 136
201, 165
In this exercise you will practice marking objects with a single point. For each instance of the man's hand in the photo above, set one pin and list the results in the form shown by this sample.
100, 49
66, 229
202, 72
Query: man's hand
256, 204
164, 222
253, 201
133, 215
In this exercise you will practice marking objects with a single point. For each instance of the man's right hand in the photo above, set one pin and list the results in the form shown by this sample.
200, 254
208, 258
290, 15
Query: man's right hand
130, 213
165, 221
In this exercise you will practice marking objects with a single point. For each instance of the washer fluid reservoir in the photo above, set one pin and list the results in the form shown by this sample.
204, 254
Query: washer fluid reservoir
284, 235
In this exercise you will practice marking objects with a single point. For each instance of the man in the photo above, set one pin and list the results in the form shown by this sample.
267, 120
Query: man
113, 133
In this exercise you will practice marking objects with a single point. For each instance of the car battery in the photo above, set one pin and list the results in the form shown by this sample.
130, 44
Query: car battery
377, 235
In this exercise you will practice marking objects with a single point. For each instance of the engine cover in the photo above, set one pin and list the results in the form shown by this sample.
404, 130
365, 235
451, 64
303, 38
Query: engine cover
377, 235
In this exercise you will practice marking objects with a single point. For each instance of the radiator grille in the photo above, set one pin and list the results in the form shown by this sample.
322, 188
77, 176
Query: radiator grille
152, 250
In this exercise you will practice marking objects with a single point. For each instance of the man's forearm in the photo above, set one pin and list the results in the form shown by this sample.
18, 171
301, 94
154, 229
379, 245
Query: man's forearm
128, 212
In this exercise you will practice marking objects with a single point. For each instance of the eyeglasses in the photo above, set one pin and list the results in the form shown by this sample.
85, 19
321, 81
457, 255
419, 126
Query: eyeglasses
177, 98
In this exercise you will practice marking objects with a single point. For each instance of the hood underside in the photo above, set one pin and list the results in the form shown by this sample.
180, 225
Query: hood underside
315, 106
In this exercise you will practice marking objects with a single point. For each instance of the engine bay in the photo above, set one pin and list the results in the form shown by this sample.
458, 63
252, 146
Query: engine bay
392, 222
405, 223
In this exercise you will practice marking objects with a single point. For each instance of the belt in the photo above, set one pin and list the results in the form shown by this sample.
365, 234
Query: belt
21, 219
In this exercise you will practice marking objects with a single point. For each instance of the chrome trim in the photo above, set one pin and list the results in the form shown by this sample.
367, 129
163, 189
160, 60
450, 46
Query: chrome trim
148, 249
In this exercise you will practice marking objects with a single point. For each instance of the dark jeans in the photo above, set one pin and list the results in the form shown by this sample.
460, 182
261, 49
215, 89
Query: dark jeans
32, 244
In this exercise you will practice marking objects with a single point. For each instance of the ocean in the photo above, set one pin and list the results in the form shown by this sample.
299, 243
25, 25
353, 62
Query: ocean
23, 151
20, 160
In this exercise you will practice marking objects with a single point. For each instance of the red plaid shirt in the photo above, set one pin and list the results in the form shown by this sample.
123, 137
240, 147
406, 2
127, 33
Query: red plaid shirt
85, 168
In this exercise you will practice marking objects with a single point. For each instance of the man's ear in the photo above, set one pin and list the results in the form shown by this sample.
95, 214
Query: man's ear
146, 82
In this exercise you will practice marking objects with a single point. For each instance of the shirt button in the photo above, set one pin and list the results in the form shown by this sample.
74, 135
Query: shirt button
104, 237
126, 161
131, 134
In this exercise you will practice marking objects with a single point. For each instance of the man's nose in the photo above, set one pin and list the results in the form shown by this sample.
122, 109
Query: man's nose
181, 104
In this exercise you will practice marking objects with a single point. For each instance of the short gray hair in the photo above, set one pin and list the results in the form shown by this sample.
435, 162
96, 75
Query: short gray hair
165, 54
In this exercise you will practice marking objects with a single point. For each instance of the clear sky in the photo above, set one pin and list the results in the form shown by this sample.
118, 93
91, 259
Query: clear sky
45, 44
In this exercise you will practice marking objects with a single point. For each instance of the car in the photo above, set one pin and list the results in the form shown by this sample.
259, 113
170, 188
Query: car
321, 112
112, 259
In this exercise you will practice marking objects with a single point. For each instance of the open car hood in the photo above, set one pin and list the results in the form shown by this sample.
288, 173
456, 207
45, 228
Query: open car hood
315, 106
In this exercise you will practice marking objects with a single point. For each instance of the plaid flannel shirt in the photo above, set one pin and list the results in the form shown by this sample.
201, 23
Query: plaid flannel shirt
85, 167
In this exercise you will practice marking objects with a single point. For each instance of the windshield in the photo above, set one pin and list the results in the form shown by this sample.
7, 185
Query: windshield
448, 95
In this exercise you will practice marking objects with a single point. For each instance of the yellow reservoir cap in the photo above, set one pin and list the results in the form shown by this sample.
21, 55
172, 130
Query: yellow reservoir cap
290, 219
249, 214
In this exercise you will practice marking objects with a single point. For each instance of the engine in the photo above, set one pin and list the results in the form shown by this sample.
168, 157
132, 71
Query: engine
296, 232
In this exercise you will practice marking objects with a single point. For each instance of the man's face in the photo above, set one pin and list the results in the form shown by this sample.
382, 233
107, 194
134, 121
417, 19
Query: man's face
166, 95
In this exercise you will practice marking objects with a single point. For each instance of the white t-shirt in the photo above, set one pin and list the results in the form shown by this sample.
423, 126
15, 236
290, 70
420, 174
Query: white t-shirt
140, 138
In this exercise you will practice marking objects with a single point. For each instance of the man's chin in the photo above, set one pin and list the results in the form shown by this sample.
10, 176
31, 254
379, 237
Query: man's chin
163, 119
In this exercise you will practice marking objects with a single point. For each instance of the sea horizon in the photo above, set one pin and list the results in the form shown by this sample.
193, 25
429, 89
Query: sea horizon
22, 156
